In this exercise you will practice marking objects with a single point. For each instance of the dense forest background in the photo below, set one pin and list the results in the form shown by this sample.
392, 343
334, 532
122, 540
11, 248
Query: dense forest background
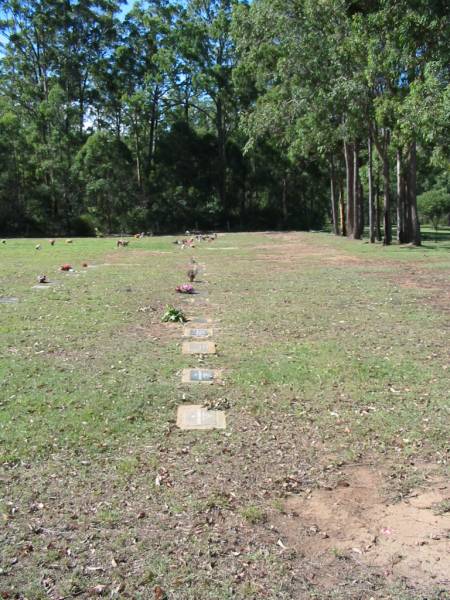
220, 114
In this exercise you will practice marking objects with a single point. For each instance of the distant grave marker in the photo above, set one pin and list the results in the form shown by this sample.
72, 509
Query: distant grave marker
200, 376
199, 321
8, 300
198, 332
194, 417
199, 301
229, 248
199, 348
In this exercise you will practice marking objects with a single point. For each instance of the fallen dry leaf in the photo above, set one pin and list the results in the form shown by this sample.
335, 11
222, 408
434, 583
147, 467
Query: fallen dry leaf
159, 593
98, 589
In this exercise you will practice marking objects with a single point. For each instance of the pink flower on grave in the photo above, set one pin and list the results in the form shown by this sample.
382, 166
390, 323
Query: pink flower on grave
186, 288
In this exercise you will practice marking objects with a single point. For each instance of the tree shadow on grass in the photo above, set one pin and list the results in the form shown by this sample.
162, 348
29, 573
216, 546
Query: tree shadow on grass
435, 246
432, 240
441, 235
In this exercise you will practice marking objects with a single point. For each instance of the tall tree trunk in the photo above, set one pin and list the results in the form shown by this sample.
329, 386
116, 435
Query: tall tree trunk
357, 196
378, 206
406, 205
361, 208
349, 185
138, 156
342, 208
402, 224
284, 201
151, 145
372, 222
382, 149
333, 191
221, 140
412, 196
151, 138
387, 201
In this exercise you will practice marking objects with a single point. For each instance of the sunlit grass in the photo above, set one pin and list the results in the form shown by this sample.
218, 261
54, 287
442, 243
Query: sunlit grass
322, 341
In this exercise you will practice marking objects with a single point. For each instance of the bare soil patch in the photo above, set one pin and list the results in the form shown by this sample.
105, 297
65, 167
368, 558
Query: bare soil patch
293, 249
409, 539
436, 284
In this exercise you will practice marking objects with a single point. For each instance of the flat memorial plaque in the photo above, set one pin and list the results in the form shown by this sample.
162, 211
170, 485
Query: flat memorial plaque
197, 332
199, 348
8, 300
200, 376
229, 248
195, 417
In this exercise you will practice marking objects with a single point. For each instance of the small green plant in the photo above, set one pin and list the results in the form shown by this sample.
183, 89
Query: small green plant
442, 508
279, 505
338, 553
173, 315
128, 465
219, 500
249, 590
108, 517
253, 514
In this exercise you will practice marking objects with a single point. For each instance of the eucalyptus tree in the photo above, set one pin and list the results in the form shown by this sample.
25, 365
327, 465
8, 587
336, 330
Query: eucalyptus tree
355, 66
403, 40
211, 57
14, 171
309, 96
103, 165
48, 52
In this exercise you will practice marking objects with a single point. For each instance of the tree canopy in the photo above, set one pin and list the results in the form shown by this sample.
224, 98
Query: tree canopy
222, 114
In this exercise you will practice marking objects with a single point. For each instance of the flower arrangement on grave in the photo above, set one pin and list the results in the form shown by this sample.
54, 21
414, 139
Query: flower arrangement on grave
173, 315
65, 267
186, 288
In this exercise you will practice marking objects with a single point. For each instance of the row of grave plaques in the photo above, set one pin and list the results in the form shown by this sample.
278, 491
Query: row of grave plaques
198, 340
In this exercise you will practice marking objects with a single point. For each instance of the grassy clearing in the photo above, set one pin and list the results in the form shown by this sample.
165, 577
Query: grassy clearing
334, 353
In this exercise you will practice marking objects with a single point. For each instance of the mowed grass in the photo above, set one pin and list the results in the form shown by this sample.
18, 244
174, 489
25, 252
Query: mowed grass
334, 352
78, 359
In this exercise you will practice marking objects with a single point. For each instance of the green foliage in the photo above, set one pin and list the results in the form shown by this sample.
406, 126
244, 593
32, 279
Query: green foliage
442, 508
253, 514
434, 206
188, 115
103, 165
173, 315
84, 226
328, 73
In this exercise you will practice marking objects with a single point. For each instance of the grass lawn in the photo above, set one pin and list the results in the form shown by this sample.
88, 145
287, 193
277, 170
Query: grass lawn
335, 359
